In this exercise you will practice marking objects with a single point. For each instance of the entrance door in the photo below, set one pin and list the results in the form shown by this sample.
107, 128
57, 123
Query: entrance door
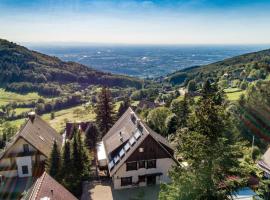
151, 180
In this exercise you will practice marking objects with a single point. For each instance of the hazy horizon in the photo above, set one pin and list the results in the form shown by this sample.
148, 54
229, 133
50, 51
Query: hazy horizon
136, 22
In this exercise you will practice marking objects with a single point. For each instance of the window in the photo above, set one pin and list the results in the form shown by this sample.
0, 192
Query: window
141, 164
126, 181
25, 169
151, 164
141, 179
25, 148
131, 166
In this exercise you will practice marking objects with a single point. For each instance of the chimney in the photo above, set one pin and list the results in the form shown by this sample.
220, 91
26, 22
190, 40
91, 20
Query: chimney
32, 116
52, 194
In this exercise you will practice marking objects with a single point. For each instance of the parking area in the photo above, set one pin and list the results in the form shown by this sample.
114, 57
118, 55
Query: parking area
101, 190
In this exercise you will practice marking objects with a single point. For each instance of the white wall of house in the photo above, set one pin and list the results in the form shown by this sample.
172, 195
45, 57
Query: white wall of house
162, 166
28, 161
25, 161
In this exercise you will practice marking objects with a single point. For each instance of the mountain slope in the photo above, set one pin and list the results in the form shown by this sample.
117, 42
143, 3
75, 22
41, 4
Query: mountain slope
254, 65
23, 70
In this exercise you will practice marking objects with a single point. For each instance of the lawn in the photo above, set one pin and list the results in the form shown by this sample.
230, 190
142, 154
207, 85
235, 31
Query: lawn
9, 97
234, 94
22, 110
78, 113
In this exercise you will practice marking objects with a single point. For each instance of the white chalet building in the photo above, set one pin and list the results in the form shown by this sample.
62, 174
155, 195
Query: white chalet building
26, 153
135, 154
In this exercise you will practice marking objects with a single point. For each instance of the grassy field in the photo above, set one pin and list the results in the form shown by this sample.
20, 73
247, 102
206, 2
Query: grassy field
9, 97
78, 113
234, 94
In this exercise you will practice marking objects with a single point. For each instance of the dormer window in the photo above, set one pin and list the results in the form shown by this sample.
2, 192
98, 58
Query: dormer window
26, 148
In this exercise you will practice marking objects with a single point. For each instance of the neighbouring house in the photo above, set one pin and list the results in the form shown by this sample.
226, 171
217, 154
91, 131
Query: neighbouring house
46, 188
264, 163
26, 153
135, 154
144, 104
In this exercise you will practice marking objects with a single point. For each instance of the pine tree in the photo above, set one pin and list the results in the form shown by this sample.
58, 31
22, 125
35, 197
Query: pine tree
92, 136
123, 106
181, 110
210, 151
66, 168
54, 164
104, 111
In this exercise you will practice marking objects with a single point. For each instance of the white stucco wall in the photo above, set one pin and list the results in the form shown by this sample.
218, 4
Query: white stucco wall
162, 166
24, 161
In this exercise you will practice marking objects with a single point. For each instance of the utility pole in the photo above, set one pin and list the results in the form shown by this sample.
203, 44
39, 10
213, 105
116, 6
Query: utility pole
252, 147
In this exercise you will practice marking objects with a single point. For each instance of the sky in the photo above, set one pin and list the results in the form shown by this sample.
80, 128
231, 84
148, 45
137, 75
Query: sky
135, 21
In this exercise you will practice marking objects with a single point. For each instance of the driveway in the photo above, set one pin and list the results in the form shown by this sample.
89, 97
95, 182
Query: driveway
97, 190
102, 190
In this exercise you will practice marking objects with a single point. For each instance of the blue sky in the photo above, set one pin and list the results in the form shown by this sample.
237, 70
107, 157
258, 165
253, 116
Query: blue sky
136, 22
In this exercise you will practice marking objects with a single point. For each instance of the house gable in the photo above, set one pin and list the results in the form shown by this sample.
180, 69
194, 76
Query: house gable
17, 147
151, 150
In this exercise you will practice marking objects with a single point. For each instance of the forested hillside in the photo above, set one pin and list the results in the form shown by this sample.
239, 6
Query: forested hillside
23, 70
247, 67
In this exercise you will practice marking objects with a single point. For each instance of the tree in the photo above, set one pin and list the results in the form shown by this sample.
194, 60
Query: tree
157, 119
243, 85
92, 136
8, 130
181, 109
54, 164
52, 115
209, 148
104, 111
66, 167
191, 86
80, 164
123, 107
171, 123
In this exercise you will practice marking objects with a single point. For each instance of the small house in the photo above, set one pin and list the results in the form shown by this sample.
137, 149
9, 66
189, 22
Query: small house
135, 154
26, 153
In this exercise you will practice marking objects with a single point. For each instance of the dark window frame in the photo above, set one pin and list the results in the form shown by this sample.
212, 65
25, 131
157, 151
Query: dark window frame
140, 165
130, 166
142, 179
26, 148
151, 164
125, 181
25, 169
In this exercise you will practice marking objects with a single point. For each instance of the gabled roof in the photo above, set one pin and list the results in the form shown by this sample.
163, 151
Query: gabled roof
264, 163
39, 134
128, 128
46, 186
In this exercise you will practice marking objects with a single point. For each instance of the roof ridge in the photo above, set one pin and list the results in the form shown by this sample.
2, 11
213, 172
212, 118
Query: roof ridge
118, 122
38, 186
